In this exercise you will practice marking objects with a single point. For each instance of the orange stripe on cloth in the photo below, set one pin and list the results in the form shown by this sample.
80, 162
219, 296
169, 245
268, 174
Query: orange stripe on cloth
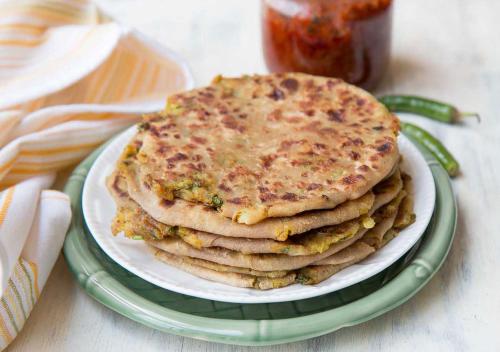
103, 78
139, 82
34, 168
80, 2
42, 9
6, 184
50, 17
154, 79
32, 105
79, 117
6, 203
10, 66
58, 150
22, 42
126, 65
37, 167
23, 27
8, 164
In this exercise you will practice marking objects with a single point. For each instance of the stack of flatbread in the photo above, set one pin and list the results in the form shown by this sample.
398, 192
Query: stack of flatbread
264, 181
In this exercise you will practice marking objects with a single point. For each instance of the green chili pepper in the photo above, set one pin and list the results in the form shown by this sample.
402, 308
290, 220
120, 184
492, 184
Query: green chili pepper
432, 109
433, 145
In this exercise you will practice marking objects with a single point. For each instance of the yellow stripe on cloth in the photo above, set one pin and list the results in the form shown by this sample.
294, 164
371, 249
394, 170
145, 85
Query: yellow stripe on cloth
7, 306
4, 331
22, 277
18, 299
34, 271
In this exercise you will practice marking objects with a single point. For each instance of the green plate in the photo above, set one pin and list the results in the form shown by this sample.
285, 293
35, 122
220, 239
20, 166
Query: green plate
257, 324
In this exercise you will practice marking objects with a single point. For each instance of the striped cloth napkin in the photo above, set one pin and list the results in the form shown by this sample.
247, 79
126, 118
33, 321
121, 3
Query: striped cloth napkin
70, 78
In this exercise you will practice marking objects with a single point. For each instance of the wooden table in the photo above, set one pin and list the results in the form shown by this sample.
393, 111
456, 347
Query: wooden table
447, 49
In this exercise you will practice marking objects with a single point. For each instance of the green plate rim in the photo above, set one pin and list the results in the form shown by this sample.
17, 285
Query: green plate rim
103, 287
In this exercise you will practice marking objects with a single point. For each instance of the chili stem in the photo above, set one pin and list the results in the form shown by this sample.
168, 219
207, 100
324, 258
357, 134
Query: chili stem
463, 115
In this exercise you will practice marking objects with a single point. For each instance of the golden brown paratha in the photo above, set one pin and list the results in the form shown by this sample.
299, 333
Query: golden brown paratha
199, 217
135, 222
268, 146
232, 269
226, 277
261, 262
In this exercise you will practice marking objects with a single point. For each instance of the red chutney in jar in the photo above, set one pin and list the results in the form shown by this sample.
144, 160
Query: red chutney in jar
348, 39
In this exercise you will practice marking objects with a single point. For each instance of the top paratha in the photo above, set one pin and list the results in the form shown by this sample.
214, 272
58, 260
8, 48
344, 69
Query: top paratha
268, 146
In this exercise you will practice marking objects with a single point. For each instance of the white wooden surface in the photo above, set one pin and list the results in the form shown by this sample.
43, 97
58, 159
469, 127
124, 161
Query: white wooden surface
447, 49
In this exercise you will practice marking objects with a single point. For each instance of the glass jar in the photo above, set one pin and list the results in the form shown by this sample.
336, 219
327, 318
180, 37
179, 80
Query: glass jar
348, 39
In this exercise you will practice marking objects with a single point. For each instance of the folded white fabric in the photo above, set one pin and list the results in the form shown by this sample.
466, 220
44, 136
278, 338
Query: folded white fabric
70, 78
33, 223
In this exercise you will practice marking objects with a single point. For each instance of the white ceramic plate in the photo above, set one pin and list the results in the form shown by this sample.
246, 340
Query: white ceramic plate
135, 256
